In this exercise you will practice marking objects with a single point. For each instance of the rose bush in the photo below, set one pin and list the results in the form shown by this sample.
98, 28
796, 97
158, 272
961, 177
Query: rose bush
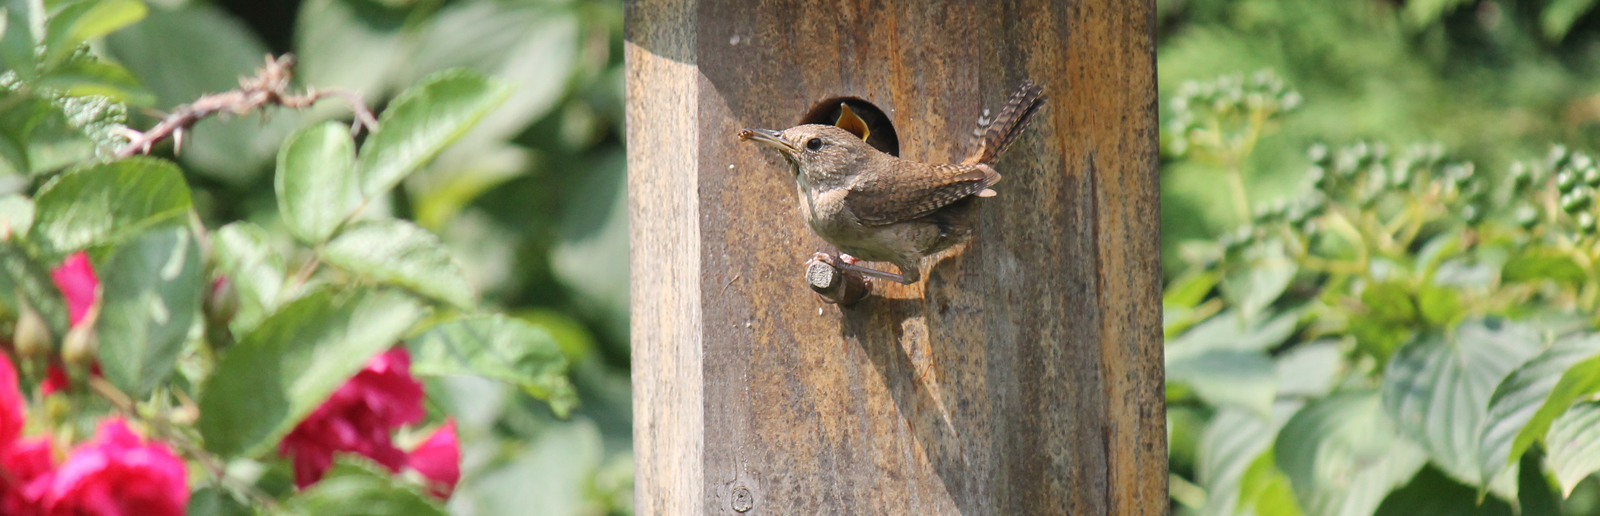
173, 355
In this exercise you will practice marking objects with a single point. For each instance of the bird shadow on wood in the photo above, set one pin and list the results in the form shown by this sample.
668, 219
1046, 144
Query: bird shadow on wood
929, 374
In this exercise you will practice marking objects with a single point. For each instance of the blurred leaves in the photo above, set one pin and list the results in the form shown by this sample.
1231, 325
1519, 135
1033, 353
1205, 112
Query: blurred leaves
151, 295
293, 360
316, 182
400, 253
108, 203
501, 348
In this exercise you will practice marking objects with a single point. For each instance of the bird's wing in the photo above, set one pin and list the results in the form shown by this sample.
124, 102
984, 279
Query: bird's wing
915, 190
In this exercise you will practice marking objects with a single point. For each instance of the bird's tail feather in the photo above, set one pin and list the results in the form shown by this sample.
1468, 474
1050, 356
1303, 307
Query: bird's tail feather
1012, 120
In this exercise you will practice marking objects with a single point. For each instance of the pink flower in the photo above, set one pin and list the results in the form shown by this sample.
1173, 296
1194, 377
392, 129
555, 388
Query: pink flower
77, 282
117, 474
438, 459
11, 405
359, 418
24, 477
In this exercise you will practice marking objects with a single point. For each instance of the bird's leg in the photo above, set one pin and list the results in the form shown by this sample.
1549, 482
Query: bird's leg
846, 262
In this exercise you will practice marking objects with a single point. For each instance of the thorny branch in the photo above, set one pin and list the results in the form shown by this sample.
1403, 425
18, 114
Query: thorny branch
269, 87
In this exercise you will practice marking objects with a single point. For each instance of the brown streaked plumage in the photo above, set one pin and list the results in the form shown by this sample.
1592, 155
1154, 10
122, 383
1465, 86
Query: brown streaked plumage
878, 207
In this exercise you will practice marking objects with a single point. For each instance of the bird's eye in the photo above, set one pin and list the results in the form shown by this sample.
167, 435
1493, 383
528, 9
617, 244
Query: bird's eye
814, 144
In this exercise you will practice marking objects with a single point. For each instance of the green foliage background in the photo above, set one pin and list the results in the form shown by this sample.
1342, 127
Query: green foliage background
530, 202
1325, 356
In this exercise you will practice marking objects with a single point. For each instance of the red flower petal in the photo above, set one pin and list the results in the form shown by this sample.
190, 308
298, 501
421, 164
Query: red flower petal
118, 474
438, 459
77, 282
12, 407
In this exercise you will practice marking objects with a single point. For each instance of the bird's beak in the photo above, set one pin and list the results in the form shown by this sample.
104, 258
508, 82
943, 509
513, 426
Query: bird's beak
771, 138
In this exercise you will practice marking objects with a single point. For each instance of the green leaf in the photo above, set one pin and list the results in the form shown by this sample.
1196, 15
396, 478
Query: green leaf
497, 347
1191, 288
1517, 415
1311, 369
151, 291
85, 20
21, 275
256, 270
1261, 280
16, 43
1440, 306
1437, 390
1227, 330
398, 252
1245, 379
108, 203
213, 501
1234, 440
1389, 302
16, 215
1343, 455
1574, 445
1541, 264
359, 488
280, 372
1559, 15
316, 181
421, 122
85, 75
1431, 493
1264, 489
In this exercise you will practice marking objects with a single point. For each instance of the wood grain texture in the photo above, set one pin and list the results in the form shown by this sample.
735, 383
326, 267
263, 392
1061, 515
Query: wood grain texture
1023, 376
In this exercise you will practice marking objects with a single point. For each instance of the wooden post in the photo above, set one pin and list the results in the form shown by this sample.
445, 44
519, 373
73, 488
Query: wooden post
1022, 377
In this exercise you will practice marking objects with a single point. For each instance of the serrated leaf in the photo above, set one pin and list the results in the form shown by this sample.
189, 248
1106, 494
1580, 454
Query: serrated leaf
22, 276
151, 291
85, 20
1245, 379
398, 252
421, 122
16, 215
108, 203
359, 488
293, 360
1573, 444
1516, 417
316, 181
1437, 389
1343, 455
256, 270
498, 347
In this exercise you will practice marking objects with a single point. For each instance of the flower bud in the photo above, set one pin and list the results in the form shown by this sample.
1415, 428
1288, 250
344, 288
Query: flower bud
32, 335
1566, 181
1319, 154
1471, 213
222, 303
1526, 216
1591, 176
1557, 156
1578, 199
1580, 161
1586, 222
82, 344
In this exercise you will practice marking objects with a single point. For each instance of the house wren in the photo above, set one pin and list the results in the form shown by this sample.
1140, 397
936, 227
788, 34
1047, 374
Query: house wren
877, 207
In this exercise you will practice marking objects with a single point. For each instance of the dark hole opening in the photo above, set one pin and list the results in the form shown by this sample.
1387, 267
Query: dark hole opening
882, 135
